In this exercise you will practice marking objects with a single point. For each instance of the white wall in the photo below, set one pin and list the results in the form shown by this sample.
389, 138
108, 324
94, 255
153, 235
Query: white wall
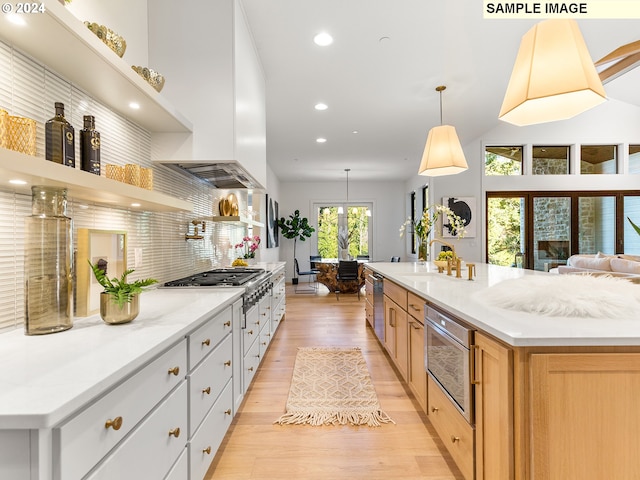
273, 190
387, 216
613, 122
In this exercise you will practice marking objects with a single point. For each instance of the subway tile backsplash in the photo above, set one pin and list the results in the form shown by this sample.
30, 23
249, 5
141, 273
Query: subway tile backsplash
28, 89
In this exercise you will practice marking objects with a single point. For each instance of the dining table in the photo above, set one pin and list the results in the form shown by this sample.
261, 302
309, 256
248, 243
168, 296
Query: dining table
327, 269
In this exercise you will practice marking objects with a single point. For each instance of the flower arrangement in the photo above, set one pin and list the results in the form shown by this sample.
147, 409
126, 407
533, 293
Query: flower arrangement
430, 215
249, 245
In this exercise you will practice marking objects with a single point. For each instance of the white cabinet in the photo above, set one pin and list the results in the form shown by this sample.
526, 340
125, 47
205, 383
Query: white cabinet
152, 449
81, 442
278, 299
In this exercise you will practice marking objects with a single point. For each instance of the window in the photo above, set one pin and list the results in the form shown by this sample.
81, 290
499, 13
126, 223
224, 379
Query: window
550, 160
548, 227
634, 159
503, 160
598, 159
336, 232
505, 232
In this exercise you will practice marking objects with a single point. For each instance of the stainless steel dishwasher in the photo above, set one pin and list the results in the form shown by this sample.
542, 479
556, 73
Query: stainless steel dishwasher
378, 305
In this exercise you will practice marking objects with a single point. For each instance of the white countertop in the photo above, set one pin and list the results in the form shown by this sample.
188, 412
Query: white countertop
463, 298
45, 378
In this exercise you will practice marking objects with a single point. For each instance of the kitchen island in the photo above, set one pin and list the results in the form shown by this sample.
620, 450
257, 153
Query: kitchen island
555, 396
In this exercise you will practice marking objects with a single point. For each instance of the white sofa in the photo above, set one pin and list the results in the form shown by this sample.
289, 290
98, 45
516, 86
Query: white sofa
620, 265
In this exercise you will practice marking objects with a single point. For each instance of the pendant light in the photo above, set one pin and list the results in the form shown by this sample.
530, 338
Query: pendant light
340, 209
443, 153
553, 77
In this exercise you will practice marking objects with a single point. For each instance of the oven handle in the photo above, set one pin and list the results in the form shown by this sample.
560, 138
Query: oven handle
475, 349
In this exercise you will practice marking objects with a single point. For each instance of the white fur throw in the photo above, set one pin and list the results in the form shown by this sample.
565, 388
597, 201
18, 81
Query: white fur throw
567, 296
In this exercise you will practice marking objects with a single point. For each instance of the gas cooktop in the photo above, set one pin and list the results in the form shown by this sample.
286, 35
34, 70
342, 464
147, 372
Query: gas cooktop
229, 277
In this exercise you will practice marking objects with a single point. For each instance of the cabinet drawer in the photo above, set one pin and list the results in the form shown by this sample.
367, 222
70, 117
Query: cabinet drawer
368, 313
204, 339
180, 470
83, 440
251, 362
153, 447
396, 293
252, 332
208, 437
456, 434
264, 340
415, 306
207, 381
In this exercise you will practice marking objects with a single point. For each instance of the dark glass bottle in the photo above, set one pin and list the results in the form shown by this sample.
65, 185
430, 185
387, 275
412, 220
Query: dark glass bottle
90, 146
60, 139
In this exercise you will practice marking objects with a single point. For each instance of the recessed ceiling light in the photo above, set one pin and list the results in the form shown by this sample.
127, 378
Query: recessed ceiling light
321, 140
17, 182
134, 105
323, 39
15, 18
355, 132
320, 106
135, 204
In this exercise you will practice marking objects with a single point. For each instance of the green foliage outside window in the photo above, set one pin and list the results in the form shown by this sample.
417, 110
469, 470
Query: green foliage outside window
357, 231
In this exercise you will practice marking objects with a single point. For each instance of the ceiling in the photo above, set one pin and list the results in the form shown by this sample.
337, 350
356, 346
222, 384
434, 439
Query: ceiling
379, 78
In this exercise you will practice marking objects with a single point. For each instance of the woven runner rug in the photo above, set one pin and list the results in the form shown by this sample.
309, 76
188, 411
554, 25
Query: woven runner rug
332, 386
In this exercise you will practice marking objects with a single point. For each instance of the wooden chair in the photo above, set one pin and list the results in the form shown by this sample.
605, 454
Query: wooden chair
348, 272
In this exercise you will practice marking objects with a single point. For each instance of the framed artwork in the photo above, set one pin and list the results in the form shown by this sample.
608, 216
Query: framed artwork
465, 208
272, 223
108, 250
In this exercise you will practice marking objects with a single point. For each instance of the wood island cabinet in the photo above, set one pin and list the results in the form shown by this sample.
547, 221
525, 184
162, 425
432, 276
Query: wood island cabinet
417, 374
493, 409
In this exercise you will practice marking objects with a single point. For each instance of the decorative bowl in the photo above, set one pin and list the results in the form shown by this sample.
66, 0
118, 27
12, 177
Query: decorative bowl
153, 78
114, 41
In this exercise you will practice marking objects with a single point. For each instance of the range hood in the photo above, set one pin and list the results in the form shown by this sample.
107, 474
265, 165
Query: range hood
221, 175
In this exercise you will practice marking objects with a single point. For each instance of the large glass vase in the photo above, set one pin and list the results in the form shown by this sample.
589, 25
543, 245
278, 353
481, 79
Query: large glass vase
48, 263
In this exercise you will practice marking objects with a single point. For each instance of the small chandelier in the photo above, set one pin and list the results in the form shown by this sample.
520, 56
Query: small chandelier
553, 77
340, 209
443, 153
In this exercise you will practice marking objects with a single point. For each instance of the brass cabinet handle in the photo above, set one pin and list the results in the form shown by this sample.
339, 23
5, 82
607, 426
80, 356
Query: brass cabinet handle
207, 451
475, 370
250, 332
434, 409
263, 314
227, 363
415, 307
206, 390
227, 324
454, 439
174, 370
175, 432
227, 412
250, 369
264, 343
206, 342
116, 423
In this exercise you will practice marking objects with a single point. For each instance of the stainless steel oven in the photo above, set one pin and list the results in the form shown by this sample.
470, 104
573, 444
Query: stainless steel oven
448, 358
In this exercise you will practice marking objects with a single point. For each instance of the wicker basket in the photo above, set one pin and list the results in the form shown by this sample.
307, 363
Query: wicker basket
146, 178
22, 135
115, 172
4, 129
132, 174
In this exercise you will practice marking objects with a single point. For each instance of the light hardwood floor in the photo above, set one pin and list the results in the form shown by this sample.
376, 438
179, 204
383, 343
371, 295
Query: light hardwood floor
255, 448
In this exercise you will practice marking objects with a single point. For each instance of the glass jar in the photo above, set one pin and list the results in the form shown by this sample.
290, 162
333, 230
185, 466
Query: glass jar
48, 264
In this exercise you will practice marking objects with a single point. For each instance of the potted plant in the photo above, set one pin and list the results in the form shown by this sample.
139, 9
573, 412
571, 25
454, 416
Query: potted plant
295, 228
119, 302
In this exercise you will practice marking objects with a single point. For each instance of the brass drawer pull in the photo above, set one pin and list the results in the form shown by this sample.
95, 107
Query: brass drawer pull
175, 432
206, 390
227, 324
250, 369
207, 451
454, 439
116, 423
206, 342
227, 363
227, 412
250, 332
434, 409
174, 370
